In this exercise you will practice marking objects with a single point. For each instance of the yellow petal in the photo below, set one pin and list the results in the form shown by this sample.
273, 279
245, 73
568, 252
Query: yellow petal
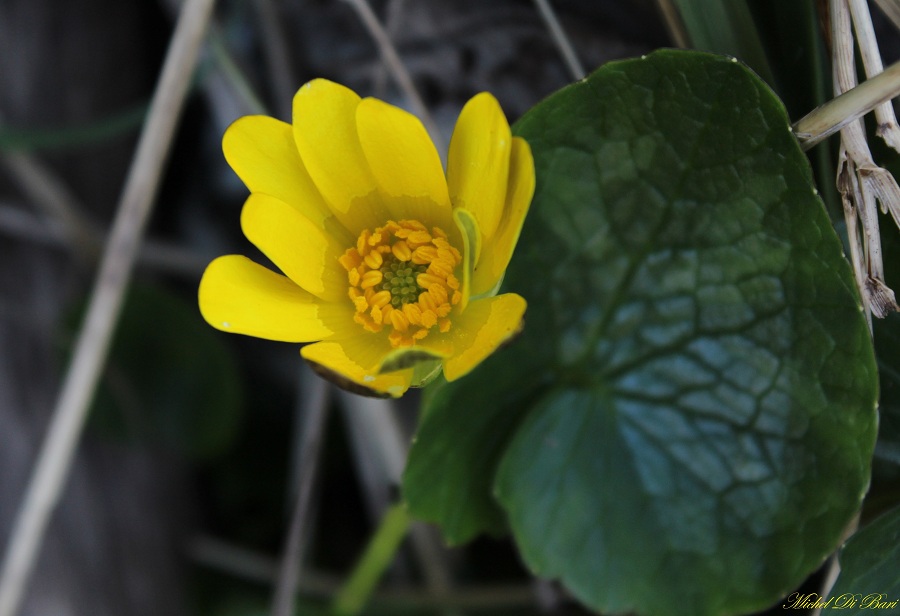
478, 162
299, 247
477, 332
406, 166
496, 254
262, 152
238, 296
328, 142
352, 359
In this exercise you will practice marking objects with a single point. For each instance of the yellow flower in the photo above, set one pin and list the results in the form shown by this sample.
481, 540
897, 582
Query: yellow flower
390, 267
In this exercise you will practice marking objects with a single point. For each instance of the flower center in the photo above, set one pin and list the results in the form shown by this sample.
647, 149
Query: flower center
401, 277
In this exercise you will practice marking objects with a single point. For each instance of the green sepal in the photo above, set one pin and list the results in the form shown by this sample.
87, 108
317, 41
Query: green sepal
408, 357
471, 236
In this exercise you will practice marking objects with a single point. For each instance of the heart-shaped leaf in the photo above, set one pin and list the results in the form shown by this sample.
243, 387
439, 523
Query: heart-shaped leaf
687, 423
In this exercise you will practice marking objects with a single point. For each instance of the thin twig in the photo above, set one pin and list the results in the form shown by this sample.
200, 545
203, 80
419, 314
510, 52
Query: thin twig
232, 73
392, 22
247, 565
379, 447
93, 342
156, 254
398, 69
891, 9
827, 119
674, 24
315, 412
277, 57
46, 190
561, 40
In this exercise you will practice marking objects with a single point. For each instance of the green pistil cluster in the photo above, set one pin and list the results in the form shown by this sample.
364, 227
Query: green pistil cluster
400, 280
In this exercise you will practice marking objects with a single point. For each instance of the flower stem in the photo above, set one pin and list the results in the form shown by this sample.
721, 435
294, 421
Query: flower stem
378, 556
827, 119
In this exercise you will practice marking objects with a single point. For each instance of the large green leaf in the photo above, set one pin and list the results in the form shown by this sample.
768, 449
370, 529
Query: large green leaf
450, 474
870, 570
694, 423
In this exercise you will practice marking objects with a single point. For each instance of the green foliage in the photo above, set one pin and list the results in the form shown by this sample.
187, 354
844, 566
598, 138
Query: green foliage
887, 350
887, 346
870, 567
726, 28
687, 423
112, 127
169, 378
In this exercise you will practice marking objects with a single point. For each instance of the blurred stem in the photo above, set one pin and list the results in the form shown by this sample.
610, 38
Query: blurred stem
378, 556
277, 57
827, 119
561, 40
249, 566
380, 448
156, 254
391, 27
53, 197
722, 27
823, 157
91, 349
397, 68
314, 411
673, 23
891, 9
233, 73
99, 131
834, 566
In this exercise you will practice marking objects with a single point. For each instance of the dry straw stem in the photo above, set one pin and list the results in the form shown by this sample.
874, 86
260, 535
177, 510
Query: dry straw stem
860, 181
848, 184
560, 38
827, 119
868, 47
93, 341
